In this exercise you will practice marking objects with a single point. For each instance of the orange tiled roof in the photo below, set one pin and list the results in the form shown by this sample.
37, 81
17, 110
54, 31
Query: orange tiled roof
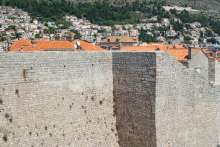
20, 45
178, 50
50, 45
88, 46
40, 45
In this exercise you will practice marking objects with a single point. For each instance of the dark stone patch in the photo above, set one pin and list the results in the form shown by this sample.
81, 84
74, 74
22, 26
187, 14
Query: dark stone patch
17, 92
24, 74
92, 98
5, 138
1, 101
50, 134
112, 130
45, 128
114, 107
100, 102
1, 110
7, 115
10, 120
30, 133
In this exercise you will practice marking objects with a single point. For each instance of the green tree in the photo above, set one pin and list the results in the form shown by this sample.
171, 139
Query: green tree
145, 37
187, 39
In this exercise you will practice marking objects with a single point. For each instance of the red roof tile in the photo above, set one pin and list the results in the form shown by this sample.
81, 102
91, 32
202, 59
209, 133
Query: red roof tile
178, 50
51, 45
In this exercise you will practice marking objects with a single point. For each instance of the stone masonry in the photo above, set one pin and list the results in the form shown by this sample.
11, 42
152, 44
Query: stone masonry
105, 99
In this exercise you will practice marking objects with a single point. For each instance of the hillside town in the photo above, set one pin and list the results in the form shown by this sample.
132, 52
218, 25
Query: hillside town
16, 24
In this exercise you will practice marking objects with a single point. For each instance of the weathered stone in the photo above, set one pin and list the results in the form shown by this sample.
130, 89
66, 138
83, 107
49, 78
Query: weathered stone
108, 99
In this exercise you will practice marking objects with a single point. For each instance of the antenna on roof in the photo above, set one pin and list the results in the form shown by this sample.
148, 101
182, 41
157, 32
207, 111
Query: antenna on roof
78, 43
75, 46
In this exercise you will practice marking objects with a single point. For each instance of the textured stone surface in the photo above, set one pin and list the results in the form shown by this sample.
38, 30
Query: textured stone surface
200, 64
134, 80
56, 100
185, 112
217, 73
217, 87
109, 99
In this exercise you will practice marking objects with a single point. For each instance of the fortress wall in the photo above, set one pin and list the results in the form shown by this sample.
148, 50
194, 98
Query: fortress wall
134, 80
217, 87
200, 64
217, 73
108, 99
185, 112
56, 99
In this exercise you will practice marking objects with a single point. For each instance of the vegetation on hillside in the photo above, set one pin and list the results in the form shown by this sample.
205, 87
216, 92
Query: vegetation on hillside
146, 37
105, 14
99, 13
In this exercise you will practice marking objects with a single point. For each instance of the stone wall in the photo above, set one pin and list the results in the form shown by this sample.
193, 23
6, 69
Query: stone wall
200, 63
134, 80
56, 99
185, 112
217, 73
108, 99
217, 87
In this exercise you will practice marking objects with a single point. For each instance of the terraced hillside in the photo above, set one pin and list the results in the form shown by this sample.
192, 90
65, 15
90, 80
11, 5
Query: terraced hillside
212, 6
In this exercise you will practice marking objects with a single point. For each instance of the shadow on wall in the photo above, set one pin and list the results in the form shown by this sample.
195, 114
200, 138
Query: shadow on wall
134, 97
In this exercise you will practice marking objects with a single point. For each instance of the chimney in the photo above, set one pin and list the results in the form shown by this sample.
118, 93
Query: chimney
189, 53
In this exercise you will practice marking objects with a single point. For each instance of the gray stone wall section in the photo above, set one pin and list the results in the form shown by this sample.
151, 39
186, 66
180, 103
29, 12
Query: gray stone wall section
211, 72
57, 99
200, 64
108, 99
185, 112
217, 92
217, 73
134, 80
